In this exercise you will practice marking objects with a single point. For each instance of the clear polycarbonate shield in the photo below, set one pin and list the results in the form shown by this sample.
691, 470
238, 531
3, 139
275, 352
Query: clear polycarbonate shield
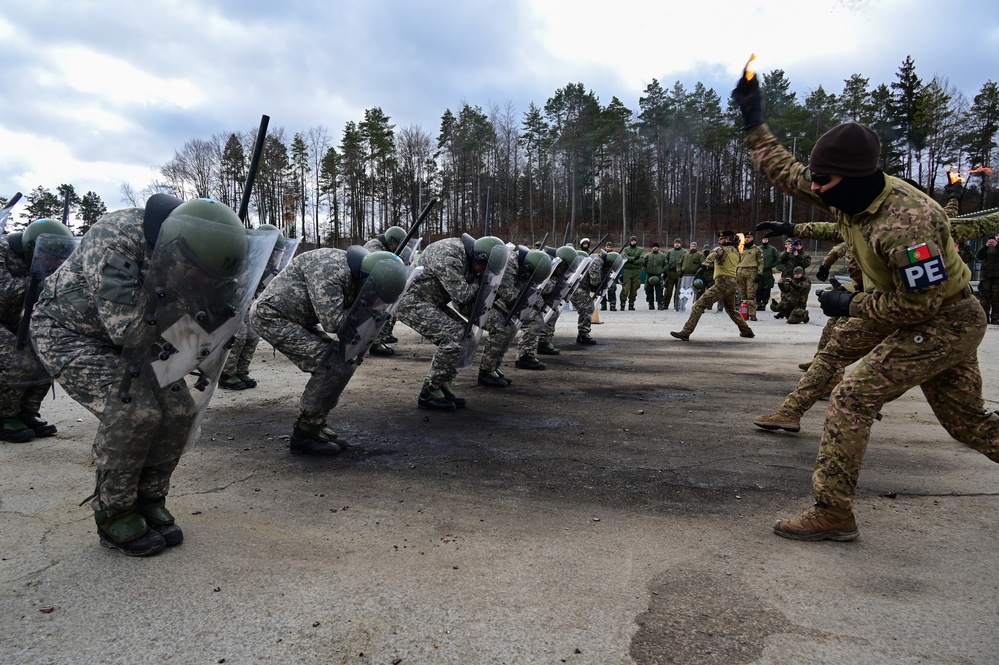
177, 344
5, 211
608, 279
484, 298
527, 299
412, 249
686, 290
563, 289
50, 252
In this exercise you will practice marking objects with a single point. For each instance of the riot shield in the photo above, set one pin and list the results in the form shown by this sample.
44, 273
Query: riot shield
49, 253
5, 211
176, 346
563, 289
484, 297
686, 291
607, 280
410, 251
527, 299
278, 261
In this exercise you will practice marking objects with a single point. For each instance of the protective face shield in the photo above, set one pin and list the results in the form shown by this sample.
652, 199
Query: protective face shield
537, 265
492, 276
37, 228
482, 250
566, 256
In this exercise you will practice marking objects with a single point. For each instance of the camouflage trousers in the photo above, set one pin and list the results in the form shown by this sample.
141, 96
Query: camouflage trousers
583, 303
723, 291
386, 332
243, 348
498, 340
988, 295
629, 286
798, 315
788, 305
611, 295
16, 401
440, 325
306, 347
746, 280
533, 332
940, 356
138, 444
671, 289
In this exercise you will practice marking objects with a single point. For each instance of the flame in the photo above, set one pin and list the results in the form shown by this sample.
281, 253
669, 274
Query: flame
954, 177
749, 72
741, 245
981, 169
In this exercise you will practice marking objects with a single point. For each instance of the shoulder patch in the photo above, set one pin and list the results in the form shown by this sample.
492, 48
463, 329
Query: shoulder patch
920, 266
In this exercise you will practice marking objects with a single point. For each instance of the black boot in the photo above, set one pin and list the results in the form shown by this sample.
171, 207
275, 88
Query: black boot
161, 520
459, 402
492, 379
433, 398
312, 440
548, 349
379, 349
231, 382
585, 339
529, 362
128, 533
15, 430
40, 427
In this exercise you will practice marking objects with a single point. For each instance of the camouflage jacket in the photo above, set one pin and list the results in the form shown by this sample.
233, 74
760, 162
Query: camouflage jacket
787, 261
886, 239
674, 258
795, 290
97, 292
752, 257
14, 280
594, 274
633, 258
447, 276
835, 254
315, 288
377, 244
657, 263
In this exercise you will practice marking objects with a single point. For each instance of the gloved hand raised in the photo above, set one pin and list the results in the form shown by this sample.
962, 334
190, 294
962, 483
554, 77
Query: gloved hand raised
955, 191
822, 274
835, 303
747, 96
776, 228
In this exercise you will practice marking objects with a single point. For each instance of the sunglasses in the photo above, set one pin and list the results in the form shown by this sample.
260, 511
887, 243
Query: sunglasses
821, 179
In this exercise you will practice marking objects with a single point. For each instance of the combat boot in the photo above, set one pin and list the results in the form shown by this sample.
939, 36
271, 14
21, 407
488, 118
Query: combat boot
752, 317
681, 335
819, 523
548, 349
778, 420
309, 439
613, 307
651, 306
603, 306
379, 349
804, 366
40, 427
631, 307
529, 362
492, 379
585, 339
230, 382
747, 333
128, 533
459, 402
15, 430
160, 520
248, 380
391, 339
662, 306
433, 398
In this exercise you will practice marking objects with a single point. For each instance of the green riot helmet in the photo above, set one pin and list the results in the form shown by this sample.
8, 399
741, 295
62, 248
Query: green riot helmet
393, 236
568, 256
581, 253
209, 234
698, 284
35, 229
388, 273
538, 265
654, 280
610, 258
281, 241
481, 249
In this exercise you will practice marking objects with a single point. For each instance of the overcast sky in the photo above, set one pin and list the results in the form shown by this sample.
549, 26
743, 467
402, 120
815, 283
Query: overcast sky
101, 92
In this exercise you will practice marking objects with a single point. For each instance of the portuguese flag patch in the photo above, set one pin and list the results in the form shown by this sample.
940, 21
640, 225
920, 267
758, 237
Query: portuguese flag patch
919, 253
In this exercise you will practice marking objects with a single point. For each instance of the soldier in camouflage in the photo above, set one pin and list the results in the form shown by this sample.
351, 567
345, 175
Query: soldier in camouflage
452, 272
723, 261
794, 297
386, 242
916, 290
582, 297
86, 315
749, 274
612, 289
298, 313
19, 406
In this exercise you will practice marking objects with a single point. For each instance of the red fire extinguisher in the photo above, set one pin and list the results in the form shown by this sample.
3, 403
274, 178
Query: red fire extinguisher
744, 310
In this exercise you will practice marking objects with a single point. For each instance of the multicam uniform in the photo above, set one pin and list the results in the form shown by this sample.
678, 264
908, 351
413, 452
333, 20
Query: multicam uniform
723, 259
794, 299
447, 277
931, 326
315, 290
749, 274
14, 279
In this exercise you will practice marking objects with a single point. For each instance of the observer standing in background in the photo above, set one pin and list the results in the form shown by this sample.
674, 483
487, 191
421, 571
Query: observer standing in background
988, 285
671, 275
770, 260
633, 256
750, 272
655, 265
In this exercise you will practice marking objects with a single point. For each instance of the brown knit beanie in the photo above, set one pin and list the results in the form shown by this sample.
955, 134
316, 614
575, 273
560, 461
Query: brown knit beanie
850, 150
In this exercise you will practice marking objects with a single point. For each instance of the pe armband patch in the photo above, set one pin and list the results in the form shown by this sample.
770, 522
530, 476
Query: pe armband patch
921, 266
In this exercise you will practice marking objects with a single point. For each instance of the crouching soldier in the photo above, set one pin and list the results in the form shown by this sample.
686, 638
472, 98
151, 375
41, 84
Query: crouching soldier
794, 297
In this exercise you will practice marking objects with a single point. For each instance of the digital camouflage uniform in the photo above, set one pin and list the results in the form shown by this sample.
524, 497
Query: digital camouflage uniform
15, 403
581, 298
988, 284
378, 244
499, 336
723, 259
748, 275
611, 295
766, 286
447, 278
671, 277
632, 274
530, 334
933, 331
657, 264
299, 313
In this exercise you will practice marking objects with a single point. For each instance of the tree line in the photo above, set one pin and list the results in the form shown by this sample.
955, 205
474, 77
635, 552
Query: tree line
674, 167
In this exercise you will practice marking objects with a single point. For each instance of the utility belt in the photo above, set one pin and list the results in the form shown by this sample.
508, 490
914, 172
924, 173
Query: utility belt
964, 293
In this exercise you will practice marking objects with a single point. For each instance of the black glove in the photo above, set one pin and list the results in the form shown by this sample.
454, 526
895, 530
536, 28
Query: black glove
822, 273
758, 278
955, 191
747, 96
835, 303
700, 273
776, 228
834, 283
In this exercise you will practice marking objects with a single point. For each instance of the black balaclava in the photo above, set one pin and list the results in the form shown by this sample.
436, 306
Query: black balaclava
854, 195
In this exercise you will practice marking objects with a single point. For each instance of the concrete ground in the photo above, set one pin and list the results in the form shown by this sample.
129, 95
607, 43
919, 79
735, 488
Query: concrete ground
615, 508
